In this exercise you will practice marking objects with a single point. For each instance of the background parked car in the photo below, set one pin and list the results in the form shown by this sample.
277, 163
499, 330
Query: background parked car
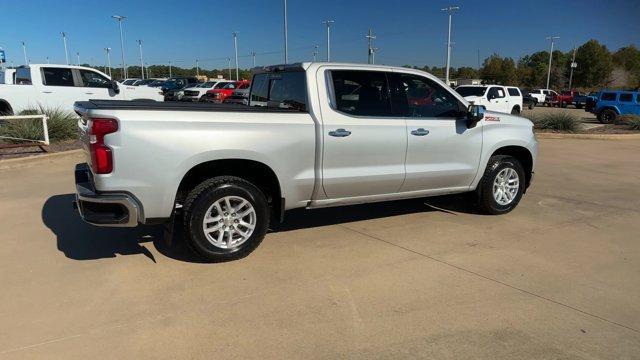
528, 101
194, 93
239, 96
179, 83
612, 103
219, 94
143, 82
504, 99
580, 100
129, 81
563, 99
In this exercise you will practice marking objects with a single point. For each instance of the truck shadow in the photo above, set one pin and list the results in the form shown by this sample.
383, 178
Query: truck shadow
81, 241
300, 218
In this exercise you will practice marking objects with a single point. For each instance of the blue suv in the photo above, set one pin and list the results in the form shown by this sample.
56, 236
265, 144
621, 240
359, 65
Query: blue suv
609, 104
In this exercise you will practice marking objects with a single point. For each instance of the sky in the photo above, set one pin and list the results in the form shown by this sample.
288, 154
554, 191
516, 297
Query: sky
410, 32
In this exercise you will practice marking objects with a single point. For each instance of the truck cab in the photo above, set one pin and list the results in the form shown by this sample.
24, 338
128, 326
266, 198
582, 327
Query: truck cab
59, 86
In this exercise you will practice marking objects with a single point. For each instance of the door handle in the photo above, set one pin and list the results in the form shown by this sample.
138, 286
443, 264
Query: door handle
340, 133
89, 93
420, 132
47, 92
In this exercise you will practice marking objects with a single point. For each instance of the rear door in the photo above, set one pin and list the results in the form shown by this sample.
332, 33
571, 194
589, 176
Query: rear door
498, 100
364, 145
442, 153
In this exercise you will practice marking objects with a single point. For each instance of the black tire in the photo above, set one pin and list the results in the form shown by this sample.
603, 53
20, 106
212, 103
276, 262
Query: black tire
579, 106
486, 201
607, 116
563, 104
515, 111
531, 105
205, 195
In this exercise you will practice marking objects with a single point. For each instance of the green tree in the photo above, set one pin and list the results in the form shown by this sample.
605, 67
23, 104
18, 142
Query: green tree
594, 65
465, 72
496, 69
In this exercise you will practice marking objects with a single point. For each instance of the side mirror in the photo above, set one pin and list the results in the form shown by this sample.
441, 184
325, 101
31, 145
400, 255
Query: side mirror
114, 86
475, 113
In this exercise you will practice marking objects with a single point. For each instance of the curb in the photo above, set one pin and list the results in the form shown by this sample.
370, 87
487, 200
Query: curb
543, 135
27, 160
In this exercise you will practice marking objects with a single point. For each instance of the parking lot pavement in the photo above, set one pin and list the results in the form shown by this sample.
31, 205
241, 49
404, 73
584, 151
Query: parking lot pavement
555, 279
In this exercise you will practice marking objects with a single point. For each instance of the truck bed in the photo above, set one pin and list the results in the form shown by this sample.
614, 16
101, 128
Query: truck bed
173, 106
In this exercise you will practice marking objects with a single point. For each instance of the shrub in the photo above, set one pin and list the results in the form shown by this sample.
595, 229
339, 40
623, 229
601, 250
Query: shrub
62, 125
560, 121
633, 121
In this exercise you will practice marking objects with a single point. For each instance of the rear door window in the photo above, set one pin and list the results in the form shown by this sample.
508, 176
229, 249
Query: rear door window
361, 93
495, 93
57, 77
608, 96
626, 97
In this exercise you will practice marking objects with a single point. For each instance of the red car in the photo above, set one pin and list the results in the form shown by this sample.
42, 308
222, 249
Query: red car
219, 94
564, 98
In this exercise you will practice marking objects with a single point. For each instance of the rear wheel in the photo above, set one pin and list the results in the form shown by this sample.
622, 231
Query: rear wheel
501, 186
225, 218
515, 110
532, 105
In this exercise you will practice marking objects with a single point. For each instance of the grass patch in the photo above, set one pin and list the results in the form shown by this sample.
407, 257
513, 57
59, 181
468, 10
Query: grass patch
62, 125
561, 121
632, 121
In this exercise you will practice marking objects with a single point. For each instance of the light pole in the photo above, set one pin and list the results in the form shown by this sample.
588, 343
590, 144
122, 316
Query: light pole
64, 40
573, 66
197, 68
78, 58
24, 50
235, 48
253, 54
315, 52
169, 68
328, 23
552, 38
47, 59
286, 34
370, 38
141, 61
124, 65
107, 50
449, 10
229, 66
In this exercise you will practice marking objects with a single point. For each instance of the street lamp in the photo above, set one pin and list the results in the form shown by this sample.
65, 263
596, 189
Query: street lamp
78, 58
449, 10
370, 37
315, 52
235, 47
552, 38
229, 66
24, 50
107, 50
328, 23
286, 35
169, 68
64, 40
119, 18
197, 68
253, 54
141, 61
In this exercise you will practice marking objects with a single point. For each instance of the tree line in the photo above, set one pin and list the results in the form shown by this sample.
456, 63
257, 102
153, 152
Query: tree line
597, 67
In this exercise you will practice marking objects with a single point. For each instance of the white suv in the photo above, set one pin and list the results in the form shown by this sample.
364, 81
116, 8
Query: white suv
504, 99
542, 96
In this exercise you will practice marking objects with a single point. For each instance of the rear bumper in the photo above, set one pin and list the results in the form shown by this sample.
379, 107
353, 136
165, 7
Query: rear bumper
104, 209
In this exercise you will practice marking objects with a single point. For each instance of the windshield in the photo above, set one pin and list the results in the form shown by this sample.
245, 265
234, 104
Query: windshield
471, 90
129, 82
221, 85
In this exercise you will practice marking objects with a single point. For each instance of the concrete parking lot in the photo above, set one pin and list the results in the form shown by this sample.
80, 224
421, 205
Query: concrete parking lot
558, 278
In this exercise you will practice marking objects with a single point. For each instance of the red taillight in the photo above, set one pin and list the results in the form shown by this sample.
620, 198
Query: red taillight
101, 156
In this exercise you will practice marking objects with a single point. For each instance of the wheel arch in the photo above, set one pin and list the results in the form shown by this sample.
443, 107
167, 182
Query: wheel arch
5, 107
523, 155
257, 173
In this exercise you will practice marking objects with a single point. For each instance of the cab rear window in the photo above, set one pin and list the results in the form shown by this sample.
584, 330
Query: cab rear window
281, 90
608, 97
513, 91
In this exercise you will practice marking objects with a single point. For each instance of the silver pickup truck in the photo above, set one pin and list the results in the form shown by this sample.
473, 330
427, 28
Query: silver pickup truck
314, 135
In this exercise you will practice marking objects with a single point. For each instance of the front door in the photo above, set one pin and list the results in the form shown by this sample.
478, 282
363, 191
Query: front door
442, 153
364, 146
498, 100
93, 85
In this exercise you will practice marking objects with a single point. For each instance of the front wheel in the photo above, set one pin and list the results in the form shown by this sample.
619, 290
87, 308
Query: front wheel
515, 111
501, 186
607, 116
225, 218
